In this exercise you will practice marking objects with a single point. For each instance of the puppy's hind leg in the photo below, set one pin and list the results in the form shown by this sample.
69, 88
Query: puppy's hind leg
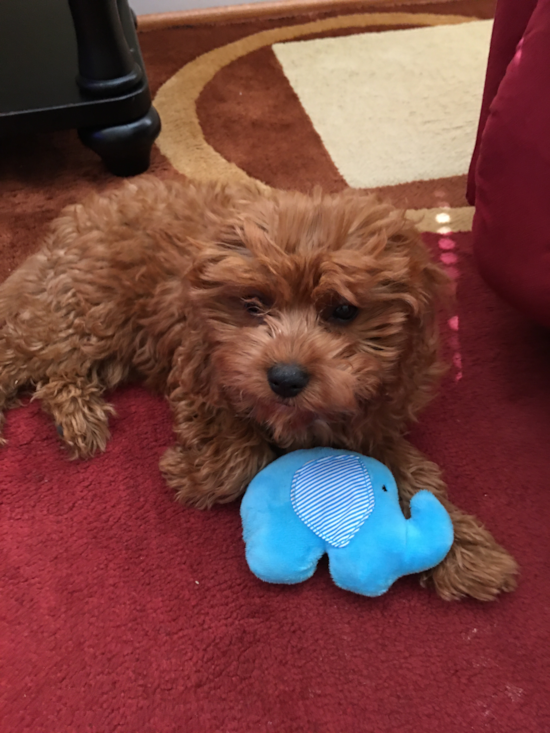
51, 344
70, 389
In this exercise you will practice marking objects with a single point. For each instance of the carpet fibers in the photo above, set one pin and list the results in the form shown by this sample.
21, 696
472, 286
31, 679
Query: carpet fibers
123, 611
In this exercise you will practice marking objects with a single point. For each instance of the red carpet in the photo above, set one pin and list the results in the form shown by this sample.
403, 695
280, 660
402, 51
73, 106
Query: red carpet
121, 611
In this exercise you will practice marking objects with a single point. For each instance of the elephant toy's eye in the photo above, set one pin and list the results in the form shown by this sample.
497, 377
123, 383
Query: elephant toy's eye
384, 488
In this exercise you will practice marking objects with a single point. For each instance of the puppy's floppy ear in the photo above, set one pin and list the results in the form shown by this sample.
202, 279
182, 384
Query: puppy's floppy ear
426, 279
391, 248
430, 293
369, 222
215, 261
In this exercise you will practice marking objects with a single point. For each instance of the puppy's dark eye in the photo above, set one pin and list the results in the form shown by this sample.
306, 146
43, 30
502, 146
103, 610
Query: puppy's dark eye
256, 305
343, 313
384, 488
253, 307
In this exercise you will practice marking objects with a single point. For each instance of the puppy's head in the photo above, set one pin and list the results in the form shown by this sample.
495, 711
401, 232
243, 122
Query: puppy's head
317, 311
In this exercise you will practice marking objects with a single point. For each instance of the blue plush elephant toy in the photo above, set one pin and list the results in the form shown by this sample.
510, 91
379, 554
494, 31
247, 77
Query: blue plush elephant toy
323, 500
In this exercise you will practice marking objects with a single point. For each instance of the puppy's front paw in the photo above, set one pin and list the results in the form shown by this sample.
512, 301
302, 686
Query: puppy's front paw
481, 569
193, 483
80, 413
85, 431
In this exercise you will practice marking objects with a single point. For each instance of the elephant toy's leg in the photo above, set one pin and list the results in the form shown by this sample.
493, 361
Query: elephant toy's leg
279, 546
370, 563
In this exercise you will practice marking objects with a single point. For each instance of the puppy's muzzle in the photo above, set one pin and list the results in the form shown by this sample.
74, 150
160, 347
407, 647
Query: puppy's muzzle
287, 380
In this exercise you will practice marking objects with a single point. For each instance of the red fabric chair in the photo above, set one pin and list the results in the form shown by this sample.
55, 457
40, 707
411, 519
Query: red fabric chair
509, 178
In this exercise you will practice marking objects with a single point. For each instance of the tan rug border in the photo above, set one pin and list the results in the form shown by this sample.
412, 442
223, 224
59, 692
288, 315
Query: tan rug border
443, 220
257, 11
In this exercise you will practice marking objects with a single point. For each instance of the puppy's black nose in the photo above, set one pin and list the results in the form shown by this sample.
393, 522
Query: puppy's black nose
287, 380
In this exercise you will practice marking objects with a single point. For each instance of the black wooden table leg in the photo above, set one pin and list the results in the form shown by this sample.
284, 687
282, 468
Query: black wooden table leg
105, 62
125, 149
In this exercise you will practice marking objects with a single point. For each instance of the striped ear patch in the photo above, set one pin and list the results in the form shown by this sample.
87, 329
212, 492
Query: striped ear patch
333, 496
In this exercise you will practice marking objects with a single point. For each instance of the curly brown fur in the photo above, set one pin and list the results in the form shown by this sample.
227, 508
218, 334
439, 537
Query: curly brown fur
200, 289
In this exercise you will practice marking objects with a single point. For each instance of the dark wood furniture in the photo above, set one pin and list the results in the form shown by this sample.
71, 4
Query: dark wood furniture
77, 64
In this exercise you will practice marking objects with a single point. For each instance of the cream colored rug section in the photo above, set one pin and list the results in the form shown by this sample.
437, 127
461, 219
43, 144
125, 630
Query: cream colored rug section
393, 107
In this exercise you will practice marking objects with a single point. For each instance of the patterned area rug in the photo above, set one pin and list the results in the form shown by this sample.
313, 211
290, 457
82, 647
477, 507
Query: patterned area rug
123, 611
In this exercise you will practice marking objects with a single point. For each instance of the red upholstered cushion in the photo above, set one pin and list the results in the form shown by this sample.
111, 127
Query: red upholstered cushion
512, 176
511, 19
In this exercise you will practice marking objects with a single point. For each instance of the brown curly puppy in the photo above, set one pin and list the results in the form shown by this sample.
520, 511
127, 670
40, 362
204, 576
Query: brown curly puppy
273, 321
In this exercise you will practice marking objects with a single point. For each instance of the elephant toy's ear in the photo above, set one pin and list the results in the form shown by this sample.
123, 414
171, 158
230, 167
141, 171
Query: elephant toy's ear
429, 533
333, 496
